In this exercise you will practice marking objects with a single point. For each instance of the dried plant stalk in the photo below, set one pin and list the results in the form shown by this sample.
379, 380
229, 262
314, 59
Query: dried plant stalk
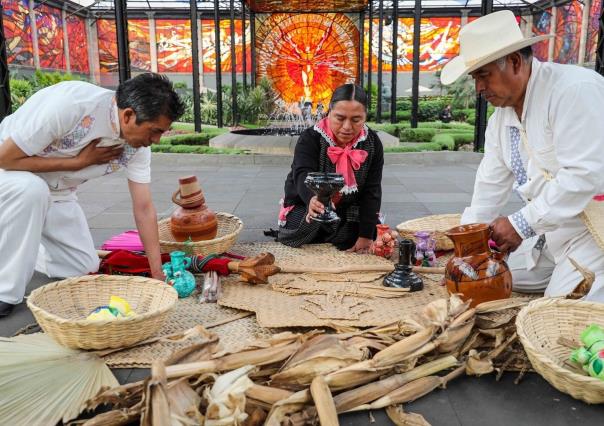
326, 408
157, 407
401, 350
267, 394
116, 417
400, 418
282, 409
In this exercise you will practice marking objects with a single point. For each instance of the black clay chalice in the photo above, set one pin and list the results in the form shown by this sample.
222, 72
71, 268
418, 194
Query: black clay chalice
403, 275
325, 185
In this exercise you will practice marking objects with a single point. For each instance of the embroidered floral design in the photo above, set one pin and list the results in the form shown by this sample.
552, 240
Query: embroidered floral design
365, 133
517, 166
73, 138
121, 161
522, 225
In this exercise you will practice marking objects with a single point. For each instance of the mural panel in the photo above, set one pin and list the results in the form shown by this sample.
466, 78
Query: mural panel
541, 26
50, 37
173, 45
78, 44
438, 43
592, 31
568, 32
306, 5
17, 30
307, 56
107, 45
209, 50
139, 44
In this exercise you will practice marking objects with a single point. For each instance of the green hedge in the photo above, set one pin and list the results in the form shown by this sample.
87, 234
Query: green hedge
417, 135
192, 149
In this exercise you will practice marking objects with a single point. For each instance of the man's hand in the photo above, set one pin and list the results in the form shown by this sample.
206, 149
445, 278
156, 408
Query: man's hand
361, 246
92, 154
504, 235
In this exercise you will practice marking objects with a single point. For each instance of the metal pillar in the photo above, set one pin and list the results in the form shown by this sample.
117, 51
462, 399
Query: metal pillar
394, 61
4, 73
233, 67
369, 55
600, 45
121, 28
378, 110
244, 47
152, 41
195, 65
417, 20
253, 47
553, 24
34, 34
67, 60
480, 123
583, 36
360, 76
218, 63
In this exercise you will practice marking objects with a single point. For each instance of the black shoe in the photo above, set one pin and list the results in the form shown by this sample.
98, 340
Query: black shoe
5, 309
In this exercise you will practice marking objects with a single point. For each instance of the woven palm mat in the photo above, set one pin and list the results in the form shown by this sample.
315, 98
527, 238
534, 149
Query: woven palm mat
187, 313
323, 300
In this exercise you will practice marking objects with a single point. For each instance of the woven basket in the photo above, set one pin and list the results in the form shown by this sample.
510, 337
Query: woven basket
540, 324
61, 309
229, 227
436, 224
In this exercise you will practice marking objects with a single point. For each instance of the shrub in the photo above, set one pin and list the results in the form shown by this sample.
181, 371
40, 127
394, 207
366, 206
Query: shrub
188, 149
20, 90
417, 135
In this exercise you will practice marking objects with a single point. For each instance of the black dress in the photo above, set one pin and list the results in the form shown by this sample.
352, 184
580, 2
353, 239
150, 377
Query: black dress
358, 210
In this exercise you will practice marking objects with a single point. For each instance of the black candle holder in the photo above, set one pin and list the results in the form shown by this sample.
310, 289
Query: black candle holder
403, 275
325, 185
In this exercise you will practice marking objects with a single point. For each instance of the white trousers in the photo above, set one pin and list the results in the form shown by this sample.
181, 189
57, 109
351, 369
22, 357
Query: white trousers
39, 233
558, 278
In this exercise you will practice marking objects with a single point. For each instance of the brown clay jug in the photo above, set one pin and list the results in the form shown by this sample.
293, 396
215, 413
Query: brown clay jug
476, 271
192, 219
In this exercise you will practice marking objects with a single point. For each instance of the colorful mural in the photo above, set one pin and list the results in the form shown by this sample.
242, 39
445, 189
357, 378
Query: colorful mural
139, 44
306, 5
209, 51
592, 31
541, 26
17, 30
568, 31
78, 44
307, 56
107, 40
50, 37
438, 43
173, 45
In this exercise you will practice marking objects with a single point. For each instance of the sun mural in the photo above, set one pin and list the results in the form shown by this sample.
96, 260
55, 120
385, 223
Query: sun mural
307, 56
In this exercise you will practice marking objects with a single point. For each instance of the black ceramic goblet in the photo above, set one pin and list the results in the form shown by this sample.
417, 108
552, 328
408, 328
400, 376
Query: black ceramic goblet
403, 275
324, 185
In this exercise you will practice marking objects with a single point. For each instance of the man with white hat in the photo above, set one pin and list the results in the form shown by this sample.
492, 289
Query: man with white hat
545, 142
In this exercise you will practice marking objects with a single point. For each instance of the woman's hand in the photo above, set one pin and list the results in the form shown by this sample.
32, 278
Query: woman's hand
361, 246
315, 208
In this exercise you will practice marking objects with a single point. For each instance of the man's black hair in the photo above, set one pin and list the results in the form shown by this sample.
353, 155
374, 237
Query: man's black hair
526, 52
150, 95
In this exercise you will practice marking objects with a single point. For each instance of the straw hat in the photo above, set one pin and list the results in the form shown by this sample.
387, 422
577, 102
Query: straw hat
485, 40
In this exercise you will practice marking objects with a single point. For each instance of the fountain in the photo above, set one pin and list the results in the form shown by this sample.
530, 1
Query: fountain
286, 123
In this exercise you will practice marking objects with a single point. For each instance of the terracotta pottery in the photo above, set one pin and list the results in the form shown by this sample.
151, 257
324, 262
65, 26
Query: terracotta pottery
475, 271
192, 220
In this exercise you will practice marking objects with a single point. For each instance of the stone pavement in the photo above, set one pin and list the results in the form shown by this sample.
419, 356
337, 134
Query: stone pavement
413, 185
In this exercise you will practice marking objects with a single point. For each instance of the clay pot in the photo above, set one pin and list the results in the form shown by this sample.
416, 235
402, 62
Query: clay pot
192, 219
475, 271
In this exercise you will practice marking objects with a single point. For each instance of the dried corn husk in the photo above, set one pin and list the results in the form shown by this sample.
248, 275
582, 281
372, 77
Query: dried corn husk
477, 366
267, 394
116, 417
226, 398
400, 418
355, 374
157, 406
282, 409
326, 408
43, 382
402, 349
184, 403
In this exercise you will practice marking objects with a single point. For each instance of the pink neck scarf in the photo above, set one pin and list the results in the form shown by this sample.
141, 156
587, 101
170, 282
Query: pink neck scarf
346, 159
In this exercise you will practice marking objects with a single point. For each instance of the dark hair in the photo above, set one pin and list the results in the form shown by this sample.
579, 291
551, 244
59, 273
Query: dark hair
150, 95
349, 92
526, 52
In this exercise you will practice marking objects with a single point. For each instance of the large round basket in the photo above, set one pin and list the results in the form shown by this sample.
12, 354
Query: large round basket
436, 224
61, 309
540, 324
229, 227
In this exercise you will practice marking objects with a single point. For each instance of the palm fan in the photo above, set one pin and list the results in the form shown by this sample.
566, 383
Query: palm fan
43, 382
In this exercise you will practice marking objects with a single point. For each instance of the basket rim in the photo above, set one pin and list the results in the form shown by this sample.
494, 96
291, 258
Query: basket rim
206, 242
84, 322
531, 350
406, 224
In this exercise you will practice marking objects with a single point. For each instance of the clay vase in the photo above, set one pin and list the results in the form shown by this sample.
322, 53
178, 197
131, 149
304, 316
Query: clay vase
475, 271
192, 220
403, 275
325, 185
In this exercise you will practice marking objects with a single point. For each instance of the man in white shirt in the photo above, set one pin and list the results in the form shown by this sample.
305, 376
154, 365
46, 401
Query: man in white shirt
59, 138
545, 142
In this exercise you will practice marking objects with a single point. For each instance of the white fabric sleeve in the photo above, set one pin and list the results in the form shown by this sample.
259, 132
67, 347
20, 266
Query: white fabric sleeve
139, 167
578, 135
493, 183
46, 116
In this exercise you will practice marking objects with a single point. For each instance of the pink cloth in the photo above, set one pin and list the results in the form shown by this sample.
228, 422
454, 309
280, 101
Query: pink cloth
128, 240
283, 212
347, 160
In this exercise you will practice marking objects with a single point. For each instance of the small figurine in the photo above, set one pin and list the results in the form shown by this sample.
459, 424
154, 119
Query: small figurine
177, 276
425, 246
591, 355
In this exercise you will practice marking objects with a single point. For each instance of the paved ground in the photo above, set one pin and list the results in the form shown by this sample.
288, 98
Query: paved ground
417, 186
